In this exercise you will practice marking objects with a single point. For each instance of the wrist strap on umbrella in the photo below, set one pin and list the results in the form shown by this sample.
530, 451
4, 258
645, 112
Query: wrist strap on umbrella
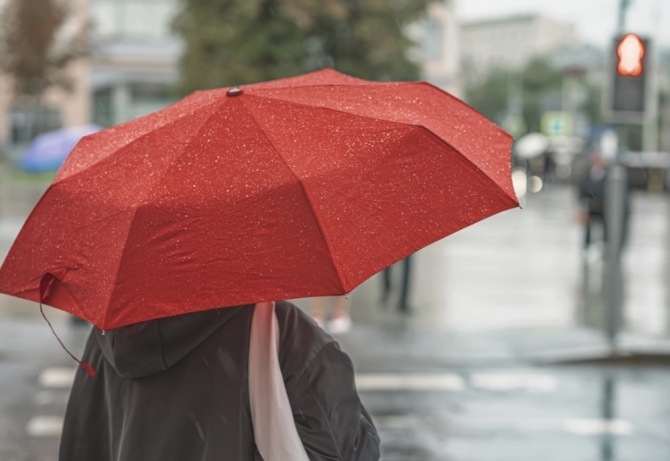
44, 285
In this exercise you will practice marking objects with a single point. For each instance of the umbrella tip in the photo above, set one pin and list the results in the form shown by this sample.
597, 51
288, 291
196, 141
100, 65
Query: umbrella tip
234, 91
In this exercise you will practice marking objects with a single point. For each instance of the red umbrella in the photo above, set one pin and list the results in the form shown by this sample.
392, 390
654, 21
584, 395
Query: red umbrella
299, 187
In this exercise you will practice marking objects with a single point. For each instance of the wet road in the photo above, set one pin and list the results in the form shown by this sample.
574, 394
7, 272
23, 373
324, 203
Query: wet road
468, 376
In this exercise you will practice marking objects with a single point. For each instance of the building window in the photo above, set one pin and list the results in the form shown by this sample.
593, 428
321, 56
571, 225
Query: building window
103, 114
26, 122
147, 98
432, 40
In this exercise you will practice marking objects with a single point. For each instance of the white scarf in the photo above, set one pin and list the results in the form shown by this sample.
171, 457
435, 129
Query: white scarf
276, 436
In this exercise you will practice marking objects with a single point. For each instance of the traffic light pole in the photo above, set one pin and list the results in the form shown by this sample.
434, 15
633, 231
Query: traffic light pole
623, 10
615, 222
650, 129
616, 189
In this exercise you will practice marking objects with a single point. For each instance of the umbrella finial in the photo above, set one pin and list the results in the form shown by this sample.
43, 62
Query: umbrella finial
234, 91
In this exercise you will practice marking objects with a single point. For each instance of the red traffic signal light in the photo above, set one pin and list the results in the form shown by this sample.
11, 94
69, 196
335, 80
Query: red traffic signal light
626, 97
630, 50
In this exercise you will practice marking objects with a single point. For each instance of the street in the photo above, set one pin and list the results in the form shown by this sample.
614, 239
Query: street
474, 372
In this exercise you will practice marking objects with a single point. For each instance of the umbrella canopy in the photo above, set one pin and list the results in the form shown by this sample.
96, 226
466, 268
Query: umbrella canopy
298, 187
48, 151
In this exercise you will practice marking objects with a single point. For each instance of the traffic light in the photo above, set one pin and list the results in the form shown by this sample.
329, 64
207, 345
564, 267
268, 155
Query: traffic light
628, 79
631, 52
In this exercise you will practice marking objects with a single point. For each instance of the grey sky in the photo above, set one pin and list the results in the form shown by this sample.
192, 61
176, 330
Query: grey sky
596, 20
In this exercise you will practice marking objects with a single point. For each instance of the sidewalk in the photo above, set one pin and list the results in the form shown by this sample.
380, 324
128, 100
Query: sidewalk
515, 288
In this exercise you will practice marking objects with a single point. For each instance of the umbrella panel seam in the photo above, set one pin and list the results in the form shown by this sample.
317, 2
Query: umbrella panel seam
25, 289
416, 125
114, 153
315, 85
141, 205
118, 267
477, 169
464, 104
319, 225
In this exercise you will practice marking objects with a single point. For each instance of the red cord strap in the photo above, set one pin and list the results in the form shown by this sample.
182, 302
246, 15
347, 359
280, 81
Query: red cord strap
44, 284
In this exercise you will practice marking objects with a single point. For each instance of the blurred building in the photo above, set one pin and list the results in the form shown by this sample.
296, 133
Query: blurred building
439, 52
133, 64
18, 122
134, 59
510, 42
582, 56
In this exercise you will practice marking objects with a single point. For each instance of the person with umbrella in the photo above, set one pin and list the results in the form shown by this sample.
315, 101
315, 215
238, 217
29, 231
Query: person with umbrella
175, 234
176, 389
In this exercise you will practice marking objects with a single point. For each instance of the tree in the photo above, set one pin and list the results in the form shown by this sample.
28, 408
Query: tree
230, 42
541, 91
32, 53
542, 86
35, 54
490, 97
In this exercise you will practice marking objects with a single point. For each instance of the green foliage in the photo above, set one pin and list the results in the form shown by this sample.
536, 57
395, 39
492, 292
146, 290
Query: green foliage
540, 82
490, 97
231, 42
16, 176
593, 108
542, 90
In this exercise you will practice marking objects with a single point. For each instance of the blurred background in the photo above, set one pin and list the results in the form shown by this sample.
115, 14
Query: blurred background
541, 333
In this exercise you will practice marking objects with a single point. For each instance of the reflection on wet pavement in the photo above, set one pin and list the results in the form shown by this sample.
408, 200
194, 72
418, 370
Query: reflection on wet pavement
591, 414
525, 269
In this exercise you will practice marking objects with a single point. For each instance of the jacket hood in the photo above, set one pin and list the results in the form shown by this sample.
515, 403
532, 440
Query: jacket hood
147, 348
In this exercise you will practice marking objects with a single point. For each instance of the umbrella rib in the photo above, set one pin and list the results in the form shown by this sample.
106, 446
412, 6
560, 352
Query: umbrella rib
304, 191
118, 266
135, 140
367, 82
186, 144
442, 141
136, 209
313, 85
498, 187
462, 103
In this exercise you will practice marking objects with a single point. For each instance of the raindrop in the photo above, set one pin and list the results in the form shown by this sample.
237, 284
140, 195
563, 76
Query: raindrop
103, 332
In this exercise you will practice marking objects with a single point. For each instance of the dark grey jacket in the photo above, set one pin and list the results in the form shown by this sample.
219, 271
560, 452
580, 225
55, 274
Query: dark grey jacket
176, 389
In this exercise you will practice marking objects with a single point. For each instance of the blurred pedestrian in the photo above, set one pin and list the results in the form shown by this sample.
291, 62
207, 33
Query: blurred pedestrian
387, 287
340, 320
593, 200
177, 389
549, 167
